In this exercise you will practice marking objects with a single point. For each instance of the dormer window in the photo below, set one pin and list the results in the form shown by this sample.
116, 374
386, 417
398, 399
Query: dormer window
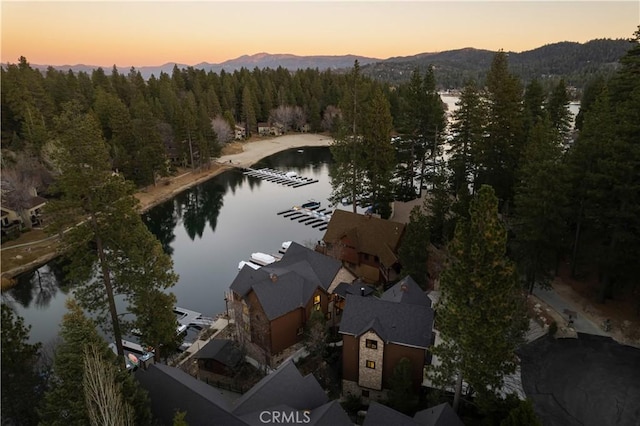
371, 344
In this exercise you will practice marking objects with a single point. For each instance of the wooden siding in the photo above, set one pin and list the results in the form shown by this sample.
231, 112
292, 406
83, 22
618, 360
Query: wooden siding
284, 330
394, 353
350, 358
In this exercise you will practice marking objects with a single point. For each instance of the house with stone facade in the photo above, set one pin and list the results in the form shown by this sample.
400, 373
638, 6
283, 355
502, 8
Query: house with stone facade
271, 305
378, 332
367, 245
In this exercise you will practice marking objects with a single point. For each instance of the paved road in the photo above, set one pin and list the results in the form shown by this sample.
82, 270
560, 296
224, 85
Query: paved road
581, 324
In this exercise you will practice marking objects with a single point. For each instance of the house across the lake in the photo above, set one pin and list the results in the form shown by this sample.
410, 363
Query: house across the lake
272, 305
366, 244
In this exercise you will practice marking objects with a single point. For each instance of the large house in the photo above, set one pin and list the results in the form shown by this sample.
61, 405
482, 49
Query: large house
271, 305
366, 244
284, 396
378, 332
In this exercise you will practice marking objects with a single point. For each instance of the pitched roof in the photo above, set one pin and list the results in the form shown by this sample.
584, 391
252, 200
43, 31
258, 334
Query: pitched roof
406, 291
289, 283
343, 289
29, 204
369, 234
400, 323
330, 414
171, 389
222, 350
284, 386
381, 415
440, 415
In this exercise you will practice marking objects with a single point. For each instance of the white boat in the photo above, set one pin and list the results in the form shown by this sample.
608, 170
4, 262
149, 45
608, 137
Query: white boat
262, 258
291, 174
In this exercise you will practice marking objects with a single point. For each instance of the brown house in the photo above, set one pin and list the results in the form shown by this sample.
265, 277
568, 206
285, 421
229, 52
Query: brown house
368, 245
378, 332
218, 357
271, 305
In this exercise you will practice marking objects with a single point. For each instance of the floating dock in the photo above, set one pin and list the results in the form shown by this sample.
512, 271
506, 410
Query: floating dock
312, 215
188, 317
277, 176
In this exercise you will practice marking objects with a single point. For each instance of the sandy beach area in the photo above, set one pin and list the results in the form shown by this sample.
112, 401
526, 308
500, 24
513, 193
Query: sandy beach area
35, 248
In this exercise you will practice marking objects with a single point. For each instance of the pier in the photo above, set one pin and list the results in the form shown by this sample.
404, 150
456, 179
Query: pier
188, 317
277, 176
313, 216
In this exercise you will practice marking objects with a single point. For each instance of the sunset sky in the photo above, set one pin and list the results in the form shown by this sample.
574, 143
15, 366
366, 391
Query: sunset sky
156, 32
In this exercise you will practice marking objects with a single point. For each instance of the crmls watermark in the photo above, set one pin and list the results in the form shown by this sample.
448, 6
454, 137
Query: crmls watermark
285, 417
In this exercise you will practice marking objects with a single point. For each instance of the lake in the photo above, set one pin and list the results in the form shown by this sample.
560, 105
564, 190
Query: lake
207, 230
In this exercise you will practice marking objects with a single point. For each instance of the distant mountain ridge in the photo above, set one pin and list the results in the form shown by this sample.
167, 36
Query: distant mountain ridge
571, 60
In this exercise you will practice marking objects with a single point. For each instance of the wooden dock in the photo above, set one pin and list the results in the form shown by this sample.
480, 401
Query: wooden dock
315, 217
277, 176
188, 317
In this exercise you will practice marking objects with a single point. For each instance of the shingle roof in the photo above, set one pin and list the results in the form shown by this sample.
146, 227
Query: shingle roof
31, 203
343, 289
222, 350
330, 414
401, 323
406, 291
440, 415
284, 386
289, 283
369, 234
381, 415
171, 390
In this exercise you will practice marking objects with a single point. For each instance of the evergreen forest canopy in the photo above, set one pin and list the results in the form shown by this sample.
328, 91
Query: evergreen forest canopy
520, 194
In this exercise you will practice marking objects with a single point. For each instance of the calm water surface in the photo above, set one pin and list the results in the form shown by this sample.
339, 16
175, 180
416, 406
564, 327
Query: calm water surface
207, 230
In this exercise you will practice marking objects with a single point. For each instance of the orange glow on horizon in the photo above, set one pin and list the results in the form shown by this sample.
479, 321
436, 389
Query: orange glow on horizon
152, 33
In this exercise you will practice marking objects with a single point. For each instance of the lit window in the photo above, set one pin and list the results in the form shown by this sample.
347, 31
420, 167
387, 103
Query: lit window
316, 299
371, 364
316, 307
371, 344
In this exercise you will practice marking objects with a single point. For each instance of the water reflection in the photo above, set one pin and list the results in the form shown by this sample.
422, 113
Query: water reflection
40, 286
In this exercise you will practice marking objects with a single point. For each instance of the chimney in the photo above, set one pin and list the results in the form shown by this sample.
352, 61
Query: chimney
404, 288
361, 291
273, 277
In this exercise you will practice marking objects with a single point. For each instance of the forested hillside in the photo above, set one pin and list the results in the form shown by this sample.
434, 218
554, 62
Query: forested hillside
575, 62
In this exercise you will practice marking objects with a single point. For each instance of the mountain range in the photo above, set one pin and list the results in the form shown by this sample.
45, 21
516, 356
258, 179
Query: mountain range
570, 60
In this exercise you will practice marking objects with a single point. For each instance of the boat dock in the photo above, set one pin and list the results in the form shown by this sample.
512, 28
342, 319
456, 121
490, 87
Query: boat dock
313, 216
188, 317
277, 176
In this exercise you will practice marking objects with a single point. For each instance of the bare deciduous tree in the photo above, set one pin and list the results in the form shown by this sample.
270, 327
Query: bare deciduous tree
291, 117
222, 129
19, 184
331, 115
103, 397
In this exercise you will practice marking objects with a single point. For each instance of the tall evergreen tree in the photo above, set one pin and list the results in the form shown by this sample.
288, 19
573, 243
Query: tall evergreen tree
379, 154
347, 171
65, 402
502, 148
98, 221
558, 108
21, 384
413, 252
468, 131
481, 313
540, 205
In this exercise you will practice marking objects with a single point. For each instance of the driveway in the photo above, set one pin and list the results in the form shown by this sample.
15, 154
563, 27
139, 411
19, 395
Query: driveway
581, 324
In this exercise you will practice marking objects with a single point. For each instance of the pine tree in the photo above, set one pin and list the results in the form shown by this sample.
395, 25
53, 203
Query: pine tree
558, 108
347, 149
379, 154
65, 402
468, 130
21, 384
98, 220
481, 314
502, 148
413, 250
401, 394
540, 205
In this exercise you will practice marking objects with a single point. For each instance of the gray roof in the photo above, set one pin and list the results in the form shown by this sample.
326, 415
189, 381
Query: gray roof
222, 350
440, 415
406, 291
329, 414
284, 386
289, 283
400, 323
171, 390
343, 289
381, 415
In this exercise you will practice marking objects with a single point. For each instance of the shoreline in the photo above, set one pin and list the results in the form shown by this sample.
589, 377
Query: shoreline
151, 196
